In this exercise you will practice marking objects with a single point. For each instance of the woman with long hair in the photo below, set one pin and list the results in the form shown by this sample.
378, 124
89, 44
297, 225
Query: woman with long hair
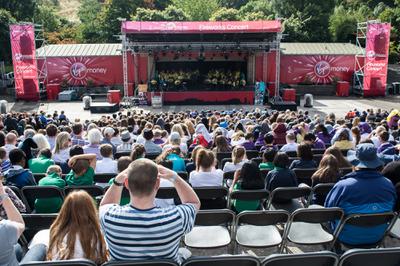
206, 174
137, 152
76, 234
238, 159
304, 152
355, 131
62, 146
221, 144
343, 141
342, 161
322, 133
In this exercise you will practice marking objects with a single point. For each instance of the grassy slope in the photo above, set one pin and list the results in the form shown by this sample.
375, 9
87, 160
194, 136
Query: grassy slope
69, 9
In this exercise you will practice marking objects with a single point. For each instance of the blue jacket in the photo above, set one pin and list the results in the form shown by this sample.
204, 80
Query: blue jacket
363, 192
19, 178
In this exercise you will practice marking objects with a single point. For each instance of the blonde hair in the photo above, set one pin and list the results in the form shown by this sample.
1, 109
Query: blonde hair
237, 136
238, 154
53, 169
61, 139
178, 128
77, 219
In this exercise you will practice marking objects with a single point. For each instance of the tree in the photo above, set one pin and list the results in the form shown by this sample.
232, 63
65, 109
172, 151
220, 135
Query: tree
256, 10
232, 3
5, 20
145, 14
342, 25
198, 10
172, 13
47, 16
88, 15
21, 10
225, 14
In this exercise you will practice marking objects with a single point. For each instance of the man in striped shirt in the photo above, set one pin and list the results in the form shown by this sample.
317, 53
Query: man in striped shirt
140, 230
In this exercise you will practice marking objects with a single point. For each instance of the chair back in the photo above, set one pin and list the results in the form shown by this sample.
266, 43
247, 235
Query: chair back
304, 175
291, 153
224, 161
214, 217
142, 263
120, 154
94, 191
151, 156
361, 257
222, 261
32, 193
325, 258
369, 220
259, 194
317, 215
318, 151
250, 154
77, 262
36, 222
37, 177
103, 178
184, 175
262, 218
167, 164
19, 194
257, 160
167, 193
289, 193
323, 189
211, 192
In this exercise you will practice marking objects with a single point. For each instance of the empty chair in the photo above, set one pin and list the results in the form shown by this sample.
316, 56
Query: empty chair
32, 193
36, 222
304, 175
322, 258
103, 178
152, 262
94, 191
319, 193
212, 197
250, 154
248, 198
258, 229
288, 198
366, 221
305, 226
362, 257
120, 154
78, 262
211, 230
222, 261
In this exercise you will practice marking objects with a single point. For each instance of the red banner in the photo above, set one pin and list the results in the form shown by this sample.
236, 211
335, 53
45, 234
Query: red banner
316, 69
76, 71
201, 26
376, 59
24, 61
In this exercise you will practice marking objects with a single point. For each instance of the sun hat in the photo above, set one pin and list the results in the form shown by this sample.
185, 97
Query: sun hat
365, 156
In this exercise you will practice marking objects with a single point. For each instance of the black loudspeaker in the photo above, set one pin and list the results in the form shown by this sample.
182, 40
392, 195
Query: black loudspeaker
3, 106
308, 100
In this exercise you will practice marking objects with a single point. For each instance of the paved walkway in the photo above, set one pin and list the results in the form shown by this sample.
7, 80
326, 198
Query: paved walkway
322, 105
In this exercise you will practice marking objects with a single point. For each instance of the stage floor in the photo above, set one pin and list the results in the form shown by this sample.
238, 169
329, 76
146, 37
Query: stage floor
322, 106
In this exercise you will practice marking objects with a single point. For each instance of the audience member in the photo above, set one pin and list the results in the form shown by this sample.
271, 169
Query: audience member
106, 165
17, 175
306, 160
61, 149
206, 174
291, 145
40, 164
82, 170
238, 159
268, 159
149, 146
280, 176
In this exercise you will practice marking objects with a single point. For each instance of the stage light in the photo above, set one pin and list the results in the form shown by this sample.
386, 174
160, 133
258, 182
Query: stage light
238, 46
189, 47
166, 47
217, 47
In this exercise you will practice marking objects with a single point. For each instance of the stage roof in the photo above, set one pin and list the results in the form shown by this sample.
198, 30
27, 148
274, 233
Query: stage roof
320, 49
114, 49
193, 27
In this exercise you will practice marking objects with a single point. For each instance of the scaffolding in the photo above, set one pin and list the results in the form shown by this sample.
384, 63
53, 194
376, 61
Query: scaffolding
40, 41
359, 66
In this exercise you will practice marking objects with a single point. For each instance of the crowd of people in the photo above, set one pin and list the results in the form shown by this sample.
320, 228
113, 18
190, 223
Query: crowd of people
70, 152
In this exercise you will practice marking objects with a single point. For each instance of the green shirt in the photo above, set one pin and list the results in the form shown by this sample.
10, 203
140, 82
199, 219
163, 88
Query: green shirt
50, 205
124, 200
244, 205
266, 166
84, 180
39, 165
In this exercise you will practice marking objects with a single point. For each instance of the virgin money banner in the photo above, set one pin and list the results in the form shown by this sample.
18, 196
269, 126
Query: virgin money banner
24, 61
318, 69
376, 59
77, 71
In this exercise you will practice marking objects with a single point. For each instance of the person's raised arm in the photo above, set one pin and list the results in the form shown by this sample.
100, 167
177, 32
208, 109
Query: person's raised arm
185, 191
113, 194
235, 179
11, 211
90, 157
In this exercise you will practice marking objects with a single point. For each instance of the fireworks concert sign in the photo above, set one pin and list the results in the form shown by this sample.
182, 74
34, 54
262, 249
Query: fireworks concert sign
22, 38
376, 59
317, 69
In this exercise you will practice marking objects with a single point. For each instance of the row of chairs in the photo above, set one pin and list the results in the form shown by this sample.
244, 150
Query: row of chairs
292, 197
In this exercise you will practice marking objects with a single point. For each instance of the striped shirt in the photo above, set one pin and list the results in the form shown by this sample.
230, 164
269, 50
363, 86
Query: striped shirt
133, 234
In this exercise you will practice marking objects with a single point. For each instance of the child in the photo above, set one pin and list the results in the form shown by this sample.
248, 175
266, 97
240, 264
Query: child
158, 137
53, 178
82, 170
268, 158
280, 176
269, 142
386, 147
107, 165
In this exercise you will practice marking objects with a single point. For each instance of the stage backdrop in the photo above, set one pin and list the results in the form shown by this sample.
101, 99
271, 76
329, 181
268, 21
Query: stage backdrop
376, 59
24, 61
319, 69
76, 71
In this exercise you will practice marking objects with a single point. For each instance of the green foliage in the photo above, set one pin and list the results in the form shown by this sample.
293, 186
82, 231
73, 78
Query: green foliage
21, 10
198, 10
88, 15
256, 10
5, 20
232, 3
144, 14
47, 16
225, 14
343, 25
172, 13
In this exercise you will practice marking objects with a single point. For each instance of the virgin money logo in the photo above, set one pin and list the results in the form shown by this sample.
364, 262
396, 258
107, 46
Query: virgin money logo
78, 70
322, 69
